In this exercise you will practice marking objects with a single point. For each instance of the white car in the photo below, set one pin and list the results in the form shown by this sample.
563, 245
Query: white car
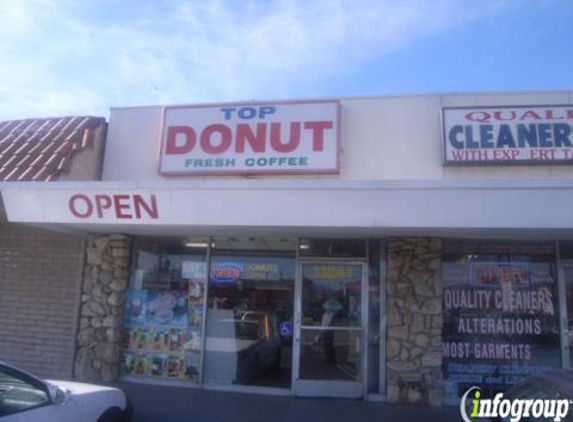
26, 398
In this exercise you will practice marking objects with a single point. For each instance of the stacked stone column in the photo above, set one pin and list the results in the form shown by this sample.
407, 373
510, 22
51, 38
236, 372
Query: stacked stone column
414, 318
105, 280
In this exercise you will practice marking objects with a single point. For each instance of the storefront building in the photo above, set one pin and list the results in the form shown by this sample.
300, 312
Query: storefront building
40, 270
397, 248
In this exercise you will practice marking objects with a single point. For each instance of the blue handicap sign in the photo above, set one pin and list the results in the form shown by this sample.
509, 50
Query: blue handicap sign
286, 328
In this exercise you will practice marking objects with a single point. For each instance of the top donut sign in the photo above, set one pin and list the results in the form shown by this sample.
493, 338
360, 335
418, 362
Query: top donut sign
251, 138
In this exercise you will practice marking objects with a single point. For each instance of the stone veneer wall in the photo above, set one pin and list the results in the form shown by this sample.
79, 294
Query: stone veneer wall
105, 279
414, 316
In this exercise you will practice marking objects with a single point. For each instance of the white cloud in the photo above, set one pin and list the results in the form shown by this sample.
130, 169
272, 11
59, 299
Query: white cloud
65, 57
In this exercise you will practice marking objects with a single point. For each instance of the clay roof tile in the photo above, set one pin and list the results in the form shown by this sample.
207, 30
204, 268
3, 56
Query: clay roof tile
14, 174
27, 175
65, 148
64, 164
88, 138
43, 149
42, 174
52, 162
3, 172
25, 161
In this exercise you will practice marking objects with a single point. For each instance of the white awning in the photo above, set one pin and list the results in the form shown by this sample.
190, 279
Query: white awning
515, 208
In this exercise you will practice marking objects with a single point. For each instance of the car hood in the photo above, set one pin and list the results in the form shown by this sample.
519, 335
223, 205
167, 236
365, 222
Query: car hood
92, 399
78, 388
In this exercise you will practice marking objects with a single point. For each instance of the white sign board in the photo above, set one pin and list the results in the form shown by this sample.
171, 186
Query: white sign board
508, 135
251, 138
193, 269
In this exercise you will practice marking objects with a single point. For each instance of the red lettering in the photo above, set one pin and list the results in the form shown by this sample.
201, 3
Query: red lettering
530, 114
174, 133
294, 138
505, 154
139, 203
82, 206
542, 154
478, 116
103, 202
318, 129
120, 205
498, 115
550, 114
73, 206
225, 137
505, 115
245, 133
219, 138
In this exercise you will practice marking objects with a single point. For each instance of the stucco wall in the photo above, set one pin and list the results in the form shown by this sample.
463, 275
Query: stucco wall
383, 138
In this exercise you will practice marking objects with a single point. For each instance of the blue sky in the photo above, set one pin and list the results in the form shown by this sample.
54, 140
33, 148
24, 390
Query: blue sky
62, 57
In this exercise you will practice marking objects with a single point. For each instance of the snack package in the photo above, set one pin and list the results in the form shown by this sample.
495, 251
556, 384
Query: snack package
142, 364
158, 364
174, 366
175, 340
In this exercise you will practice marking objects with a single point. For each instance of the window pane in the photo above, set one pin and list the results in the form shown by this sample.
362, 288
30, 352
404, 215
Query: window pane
375, 274
163, 316
568, 274
17, 395
500, 314
335, 248
534, 389
566, 249
331, 355
331, 295
250, 312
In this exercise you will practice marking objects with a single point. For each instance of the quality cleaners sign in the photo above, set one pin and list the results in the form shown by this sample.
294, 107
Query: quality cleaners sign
251, 138
508, 135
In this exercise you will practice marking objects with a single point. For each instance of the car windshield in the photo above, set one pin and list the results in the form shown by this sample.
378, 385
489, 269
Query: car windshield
17, 393
535, 388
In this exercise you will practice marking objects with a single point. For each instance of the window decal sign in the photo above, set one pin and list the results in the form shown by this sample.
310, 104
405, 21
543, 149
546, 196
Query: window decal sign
250, 138
508, 135
500, 314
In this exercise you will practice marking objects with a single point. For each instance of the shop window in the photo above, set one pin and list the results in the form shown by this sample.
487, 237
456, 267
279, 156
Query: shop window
376, 272
568, 280
566, 250
163, 316
500, 314
333, 248
250, 312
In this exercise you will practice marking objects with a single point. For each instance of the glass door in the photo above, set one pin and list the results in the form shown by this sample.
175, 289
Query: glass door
567, 320
329, 333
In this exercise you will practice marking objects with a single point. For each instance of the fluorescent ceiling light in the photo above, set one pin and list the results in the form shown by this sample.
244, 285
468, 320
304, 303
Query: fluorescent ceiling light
196, 244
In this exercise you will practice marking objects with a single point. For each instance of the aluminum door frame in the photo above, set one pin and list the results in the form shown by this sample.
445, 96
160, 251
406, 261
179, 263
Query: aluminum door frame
325, 388
563, 312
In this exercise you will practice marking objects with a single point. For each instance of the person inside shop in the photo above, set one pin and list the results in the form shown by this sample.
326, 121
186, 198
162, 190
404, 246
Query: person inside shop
331, 308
